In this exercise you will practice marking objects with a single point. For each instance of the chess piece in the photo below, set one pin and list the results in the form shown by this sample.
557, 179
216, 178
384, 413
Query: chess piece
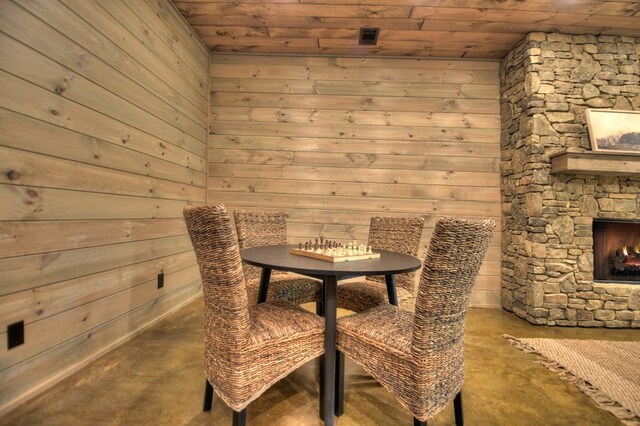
299, 246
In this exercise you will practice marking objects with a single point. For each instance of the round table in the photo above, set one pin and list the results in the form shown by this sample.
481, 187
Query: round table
280, 258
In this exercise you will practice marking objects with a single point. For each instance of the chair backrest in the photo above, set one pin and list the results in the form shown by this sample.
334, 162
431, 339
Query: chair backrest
259, 228
455, 254
225, 294
399, 234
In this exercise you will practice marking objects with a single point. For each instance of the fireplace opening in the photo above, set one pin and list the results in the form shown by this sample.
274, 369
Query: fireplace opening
616, 251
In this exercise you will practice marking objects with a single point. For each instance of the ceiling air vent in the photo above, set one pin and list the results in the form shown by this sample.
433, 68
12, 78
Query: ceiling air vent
369, 35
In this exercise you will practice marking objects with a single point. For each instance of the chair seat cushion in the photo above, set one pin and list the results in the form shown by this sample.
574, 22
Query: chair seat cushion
279, 320
290, 287
385, 327
362, 295
281, 337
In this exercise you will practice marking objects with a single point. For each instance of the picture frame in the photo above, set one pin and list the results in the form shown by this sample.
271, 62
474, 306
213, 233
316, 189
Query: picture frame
614, 131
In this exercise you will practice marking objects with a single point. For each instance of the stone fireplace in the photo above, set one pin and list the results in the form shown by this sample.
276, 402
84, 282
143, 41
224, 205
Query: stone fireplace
548, 81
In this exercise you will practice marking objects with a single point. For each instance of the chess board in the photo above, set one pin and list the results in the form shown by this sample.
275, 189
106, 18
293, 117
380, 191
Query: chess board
335, 258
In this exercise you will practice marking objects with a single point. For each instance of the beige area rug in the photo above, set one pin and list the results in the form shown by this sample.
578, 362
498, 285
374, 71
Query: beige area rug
607, 371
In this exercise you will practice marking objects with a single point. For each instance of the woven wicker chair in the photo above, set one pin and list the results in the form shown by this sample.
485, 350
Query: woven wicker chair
260, 228
399, 234
418, 357
248, 347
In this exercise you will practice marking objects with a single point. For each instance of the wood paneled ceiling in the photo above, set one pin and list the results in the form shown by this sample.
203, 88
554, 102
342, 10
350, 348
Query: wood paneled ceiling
418, 28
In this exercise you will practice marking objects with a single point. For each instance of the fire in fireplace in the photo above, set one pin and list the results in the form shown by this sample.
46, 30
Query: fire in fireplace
616, 250
627, 261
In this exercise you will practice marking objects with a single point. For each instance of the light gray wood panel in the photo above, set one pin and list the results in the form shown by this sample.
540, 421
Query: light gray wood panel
26, 133
346, 217
363, 103
96, 57
103, 143
359, 204
20, 59
61, 327
32, 237
357, 160
328, 173
116, 32
36, 203
337, 116
350, 145
81, 61
195, 59
349, 189
37, 304
29, 99
157, 47
334, 141
367, 62
356, 131
32, 271
42, 371
376, 88
25, 168
355, 73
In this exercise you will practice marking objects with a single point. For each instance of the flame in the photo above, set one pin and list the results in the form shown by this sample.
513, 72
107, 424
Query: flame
624, 251
636, 248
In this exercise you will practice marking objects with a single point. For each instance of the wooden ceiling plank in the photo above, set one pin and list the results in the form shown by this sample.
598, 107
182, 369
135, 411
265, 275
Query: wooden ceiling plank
421, 45
523, 16
618, 8
352, 33
304, 22
604, 7
259, 41
240, 1
266, 9
462, 36
500, 26
231, 31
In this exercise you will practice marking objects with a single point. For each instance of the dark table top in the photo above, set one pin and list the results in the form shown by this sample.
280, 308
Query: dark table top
280, 258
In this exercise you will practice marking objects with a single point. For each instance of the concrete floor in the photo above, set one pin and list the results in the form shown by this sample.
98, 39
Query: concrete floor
157, 379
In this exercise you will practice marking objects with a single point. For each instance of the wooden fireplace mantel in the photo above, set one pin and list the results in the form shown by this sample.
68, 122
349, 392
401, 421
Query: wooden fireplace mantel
595, 163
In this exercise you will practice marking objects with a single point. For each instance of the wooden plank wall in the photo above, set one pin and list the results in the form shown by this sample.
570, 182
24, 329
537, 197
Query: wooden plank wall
103, 114
333, 141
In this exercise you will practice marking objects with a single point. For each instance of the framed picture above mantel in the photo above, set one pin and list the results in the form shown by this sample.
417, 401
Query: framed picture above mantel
614, 131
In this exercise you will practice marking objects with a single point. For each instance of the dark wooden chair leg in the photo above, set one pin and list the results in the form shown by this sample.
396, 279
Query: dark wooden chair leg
240, 418
319, 308
417, 422
208, 396
457, 408
339, 401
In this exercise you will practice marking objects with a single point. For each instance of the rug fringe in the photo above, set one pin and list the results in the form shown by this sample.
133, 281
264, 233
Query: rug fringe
601, 399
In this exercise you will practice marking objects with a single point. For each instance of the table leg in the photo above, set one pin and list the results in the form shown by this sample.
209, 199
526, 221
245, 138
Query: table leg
391, 289
264, 285
329, 362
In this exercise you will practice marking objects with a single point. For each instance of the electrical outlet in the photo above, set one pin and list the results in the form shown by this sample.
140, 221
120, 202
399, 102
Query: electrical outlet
15, 334
161, 280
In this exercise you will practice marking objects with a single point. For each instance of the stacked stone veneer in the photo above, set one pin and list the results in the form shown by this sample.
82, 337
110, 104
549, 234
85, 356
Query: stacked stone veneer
548, 81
